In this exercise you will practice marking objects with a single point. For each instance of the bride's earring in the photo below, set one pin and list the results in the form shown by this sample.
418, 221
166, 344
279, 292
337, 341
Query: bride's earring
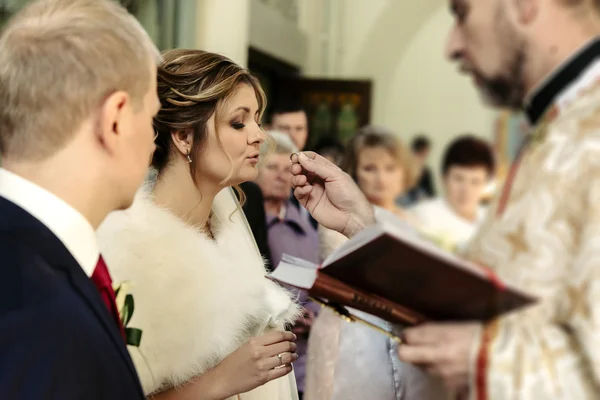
188, 157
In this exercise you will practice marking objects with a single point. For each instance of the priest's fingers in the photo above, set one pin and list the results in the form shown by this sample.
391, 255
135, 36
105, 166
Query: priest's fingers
298, 172
424, 334
275, 337
301, 192
319, 166
419, 355
295, 158
297, 169
275, 361
299, 180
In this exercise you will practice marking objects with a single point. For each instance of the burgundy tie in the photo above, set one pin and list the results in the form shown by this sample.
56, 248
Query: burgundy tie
103, 281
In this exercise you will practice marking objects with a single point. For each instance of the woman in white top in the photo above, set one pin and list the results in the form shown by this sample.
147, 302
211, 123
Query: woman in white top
353, 361
467, 168
213, 324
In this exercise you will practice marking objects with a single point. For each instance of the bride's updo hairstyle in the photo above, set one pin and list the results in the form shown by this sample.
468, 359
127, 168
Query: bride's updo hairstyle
192, 86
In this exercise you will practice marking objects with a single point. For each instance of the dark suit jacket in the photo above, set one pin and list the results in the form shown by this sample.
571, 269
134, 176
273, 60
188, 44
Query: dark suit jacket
254, 208
426, 182
57, 339
423, 189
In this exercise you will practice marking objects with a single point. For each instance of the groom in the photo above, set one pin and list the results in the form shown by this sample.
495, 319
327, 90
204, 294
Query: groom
543, 231
77, 95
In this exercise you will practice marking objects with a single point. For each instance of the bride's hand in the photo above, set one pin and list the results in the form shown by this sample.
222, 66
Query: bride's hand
257, 362
252, 365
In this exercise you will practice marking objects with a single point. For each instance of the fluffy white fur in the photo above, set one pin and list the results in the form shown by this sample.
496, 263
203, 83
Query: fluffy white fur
196, 300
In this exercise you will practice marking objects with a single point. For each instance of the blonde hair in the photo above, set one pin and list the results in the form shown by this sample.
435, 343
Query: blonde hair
59, 59
376, 136
192, 86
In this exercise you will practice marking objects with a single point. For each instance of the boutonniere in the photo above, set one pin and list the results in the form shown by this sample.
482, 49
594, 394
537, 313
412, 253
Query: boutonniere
125, 306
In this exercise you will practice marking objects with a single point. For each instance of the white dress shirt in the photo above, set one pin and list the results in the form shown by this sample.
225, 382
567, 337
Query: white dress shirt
437, 217
72, 228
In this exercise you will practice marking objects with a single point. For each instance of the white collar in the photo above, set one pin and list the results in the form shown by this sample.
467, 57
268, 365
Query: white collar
72, 228
282, 212
479, 214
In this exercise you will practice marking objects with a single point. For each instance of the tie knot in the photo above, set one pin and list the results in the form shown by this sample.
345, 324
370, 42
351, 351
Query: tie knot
101, 276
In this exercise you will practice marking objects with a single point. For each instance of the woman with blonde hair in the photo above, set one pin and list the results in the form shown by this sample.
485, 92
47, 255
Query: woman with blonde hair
213, 324
382, 167
353, 361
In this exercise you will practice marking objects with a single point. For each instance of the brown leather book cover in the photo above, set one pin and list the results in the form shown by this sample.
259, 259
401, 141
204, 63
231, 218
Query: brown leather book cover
337, 292
422, 283
403, 278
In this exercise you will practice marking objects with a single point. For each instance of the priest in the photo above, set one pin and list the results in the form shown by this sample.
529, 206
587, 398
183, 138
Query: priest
543, 231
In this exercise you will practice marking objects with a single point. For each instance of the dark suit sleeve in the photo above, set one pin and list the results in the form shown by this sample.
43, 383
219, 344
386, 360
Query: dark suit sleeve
52, 346
45, 356
254, 208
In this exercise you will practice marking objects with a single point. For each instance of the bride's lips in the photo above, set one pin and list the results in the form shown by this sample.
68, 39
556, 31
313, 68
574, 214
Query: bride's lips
253, 158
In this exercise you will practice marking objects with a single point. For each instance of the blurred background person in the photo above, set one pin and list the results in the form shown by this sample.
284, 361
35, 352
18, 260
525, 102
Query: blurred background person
382, 167
288, 232
467, 168
331, 149
425, 187
291, 119
353, 361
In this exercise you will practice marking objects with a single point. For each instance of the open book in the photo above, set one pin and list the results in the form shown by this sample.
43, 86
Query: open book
391, 271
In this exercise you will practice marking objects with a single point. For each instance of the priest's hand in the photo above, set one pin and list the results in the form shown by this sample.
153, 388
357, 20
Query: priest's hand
441, 349
329, 194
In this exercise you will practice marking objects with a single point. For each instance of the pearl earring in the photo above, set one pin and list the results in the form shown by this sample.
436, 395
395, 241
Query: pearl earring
188, 157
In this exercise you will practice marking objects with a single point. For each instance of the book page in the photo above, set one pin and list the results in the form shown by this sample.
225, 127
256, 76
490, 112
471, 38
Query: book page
295, 272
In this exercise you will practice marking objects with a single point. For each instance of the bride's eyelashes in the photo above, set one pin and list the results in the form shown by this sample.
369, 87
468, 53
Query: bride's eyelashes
238, 125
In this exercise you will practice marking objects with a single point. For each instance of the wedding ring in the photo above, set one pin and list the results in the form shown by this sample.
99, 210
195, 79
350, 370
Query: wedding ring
280, 359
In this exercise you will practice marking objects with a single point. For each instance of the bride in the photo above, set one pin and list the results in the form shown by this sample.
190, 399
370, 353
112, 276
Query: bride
213, 325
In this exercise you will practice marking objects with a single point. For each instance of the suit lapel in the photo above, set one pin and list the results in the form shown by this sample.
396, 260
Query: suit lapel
37, 236
88, 292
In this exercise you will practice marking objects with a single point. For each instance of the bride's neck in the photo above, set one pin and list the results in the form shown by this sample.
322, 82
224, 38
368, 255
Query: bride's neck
175, 190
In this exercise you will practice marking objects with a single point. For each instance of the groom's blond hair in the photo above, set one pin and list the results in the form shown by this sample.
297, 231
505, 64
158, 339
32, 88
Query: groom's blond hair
59, 60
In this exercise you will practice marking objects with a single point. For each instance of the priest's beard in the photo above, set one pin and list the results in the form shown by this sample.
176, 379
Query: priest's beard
507, 88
